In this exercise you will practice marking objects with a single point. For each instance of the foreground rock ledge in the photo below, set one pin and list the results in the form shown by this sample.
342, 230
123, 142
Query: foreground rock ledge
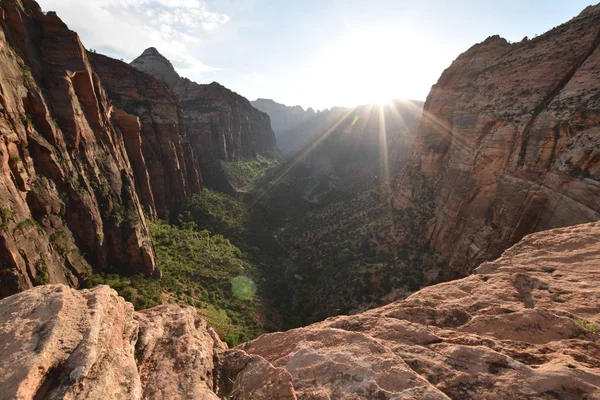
59, 343
521, 327
512, 330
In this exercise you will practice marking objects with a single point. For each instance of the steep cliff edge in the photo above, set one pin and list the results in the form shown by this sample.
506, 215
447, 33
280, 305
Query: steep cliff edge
221, 125
67, 194
166, 154
509, 144
522, 327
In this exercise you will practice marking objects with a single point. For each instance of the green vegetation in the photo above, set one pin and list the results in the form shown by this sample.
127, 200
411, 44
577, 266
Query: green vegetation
123, 214
246, 172
199, 269
5, 215
27, 223
587, 325
214, 211
41, 277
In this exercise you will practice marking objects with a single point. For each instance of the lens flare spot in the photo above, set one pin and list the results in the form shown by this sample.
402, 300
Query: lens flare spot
243, 287
356, 118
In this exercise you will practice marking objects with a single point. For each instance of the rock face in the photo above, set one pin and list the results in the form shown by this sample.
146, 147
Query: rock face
509, 144
520, 327
524, 326
221, 125
293, 126
165, 155
67, 192
59, 343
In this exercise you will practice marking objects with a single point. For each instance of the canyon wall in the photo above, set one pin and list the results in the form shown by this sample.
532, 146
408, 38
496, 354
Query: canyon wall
221, 125
68, 201
509, 144
150, 117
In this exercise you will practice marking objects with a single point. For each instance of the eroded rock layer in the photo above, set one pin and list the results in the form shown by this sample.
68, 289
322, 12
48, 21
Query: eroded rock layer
221, 125
59, 343
522, 327
157, 144
68, 200
509, 144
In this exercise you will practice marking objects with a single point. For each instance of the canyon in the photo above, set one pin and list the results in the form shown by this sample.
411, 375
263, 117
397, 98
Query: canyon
459, 236
220, 124
91, 146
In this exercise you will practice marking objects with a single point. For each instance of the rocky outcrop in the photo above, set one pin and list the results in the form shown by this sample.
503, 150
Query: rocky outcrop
150, 118
60, 343
67, 194
221, 125
294, 126
509, 144
524, 326
63, 344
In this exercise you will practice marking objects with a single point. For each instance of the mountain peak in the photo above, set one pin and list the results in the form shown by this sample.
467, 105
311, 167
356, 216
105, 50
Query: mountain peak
151, 51
154, 63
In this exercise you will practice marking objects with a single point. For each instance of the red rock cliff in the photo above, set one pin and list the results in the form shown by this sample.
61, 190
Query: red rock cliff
67, 194
165, 153
509, 144
221, 125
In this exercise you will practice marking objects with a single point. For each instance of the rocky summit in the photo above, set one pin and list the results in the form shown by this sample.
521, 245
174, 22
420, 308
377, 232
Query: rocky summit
521, 327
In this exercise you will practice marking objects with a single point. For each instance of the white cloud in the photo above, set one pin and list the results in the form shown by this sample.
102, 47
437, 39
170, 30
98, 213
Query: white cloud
124, 28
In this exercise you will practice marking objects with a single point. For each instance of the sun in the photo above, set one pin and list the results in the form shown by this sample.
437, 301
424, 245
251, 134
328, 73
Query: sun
383, 101
374, 65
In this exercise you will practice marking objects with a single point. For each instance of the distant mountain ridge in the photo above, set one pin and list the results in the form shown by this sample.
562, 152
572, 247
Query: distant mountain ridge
293, 125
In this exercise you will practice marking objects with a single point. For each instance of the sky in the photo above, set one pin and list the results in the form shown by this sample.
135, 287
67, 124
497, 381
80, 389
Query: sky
313, 53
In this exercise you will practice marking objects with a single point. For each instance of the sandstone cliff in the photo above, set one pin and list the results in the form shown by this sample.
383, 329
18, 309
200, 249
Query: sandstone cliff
509, 144
67, 193
221, 125
150, 118
522, 327
293, 126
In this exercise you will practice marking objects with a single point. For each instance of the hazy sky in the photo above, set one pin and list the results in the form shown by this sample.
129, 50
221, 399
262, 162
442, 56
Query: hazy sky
317, 53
